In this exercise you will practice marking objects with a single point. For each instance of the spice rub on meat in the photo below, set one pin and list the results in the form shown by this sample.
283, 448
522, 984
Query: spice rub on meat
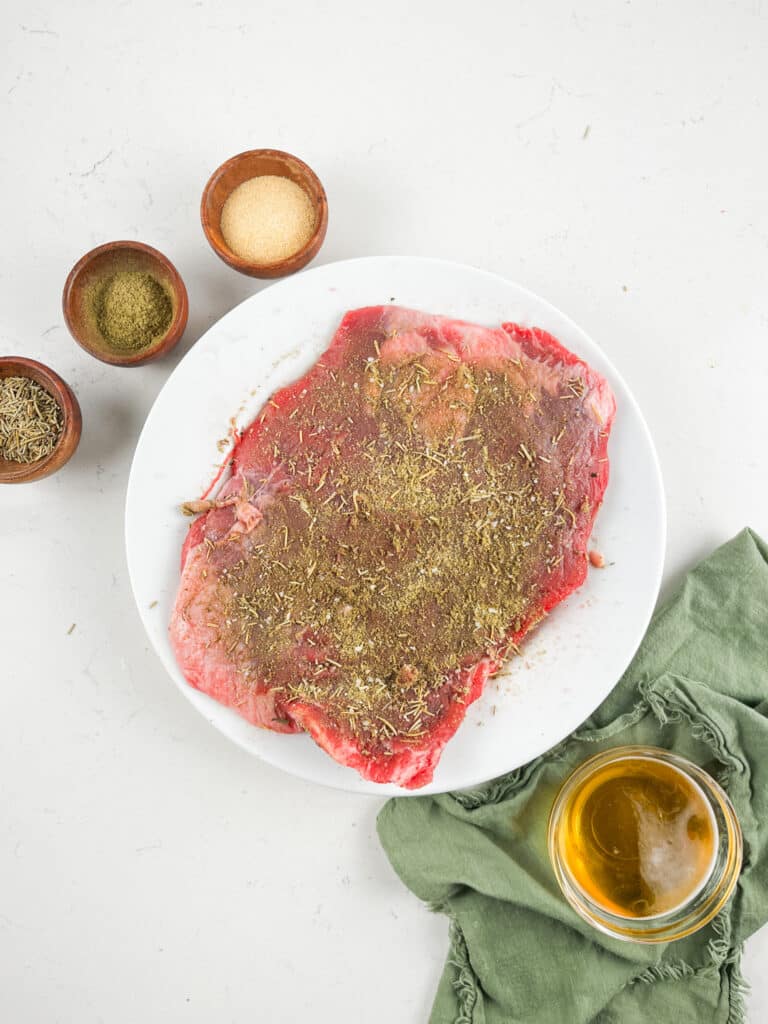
396, 521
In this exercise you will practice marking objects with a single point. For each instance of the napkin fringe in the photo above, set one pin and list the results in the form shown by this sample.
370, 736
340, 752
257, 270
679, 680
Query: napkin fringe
723, 959
667, 707
670, 707
667, 972
739, 990
730, 972
464, 983
725, 962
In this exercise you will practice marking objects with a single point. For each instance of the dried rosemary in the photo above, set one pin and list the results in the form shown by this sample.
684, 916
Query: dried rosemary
31, 420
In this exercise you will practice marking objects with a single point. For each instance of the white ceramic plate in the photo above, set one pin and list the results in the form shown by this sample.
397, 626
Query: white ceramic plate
568, 666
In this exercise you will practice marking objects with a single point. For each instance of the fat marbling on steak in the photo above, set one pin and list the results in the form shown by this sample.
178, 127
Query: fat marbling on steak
395, 522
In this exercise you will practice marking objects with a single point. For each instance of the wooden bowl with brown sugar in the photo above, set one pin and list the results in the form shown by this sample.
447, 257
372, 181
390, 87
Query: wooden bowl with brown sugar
265, 164
93, 272
13, 472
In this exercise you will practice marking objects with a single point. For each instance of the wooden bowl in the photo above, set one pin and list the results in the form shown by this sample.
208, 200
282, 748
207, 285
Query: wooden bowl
253, 164
25, 472
80, 293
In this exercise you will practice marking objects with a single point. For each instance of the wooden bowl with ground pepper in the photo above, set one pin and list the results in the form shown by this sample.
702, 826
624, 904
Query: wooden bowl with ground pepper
40, 421
265, 213
125, 303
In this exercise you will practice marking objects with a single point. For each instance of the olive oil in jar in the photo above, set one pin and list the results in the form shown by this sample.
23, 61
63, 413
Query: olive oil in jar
638, 837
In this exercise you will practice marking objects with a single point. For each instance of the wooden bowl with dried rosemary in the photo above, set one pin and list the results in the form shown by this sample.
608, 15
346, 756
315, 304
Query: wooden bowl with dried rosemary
125, 303
40, 421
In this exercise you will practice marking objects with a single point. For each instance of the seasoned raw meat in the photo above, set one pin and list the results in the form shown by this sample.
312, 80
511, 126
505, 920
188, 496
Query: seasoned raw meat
395, 522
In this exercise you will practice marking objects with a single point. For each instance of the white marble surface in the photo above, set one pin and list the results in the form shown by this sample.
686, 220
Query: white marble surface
611, 157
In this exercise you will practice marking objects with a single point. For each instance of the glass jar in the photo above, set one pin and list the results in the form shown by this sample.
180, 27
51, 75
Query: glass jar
611, 795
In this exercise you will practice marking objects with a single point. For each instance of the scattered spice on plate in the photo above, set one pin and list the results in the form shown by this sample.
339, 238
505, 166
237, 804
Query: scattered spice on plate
132, 309
31, 420
267, 218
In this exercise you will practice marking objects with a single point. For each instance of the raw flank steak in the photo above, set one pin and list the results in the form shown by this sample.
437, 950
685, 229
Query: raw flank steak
395, 523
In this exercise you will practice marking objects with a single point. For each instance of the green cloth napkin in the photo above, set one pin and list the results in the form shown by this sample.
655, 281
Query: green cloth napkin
518, 953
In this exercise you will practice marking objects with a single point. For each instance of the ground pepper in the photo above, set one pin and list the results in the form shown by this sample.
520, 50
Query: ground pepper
132, 309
